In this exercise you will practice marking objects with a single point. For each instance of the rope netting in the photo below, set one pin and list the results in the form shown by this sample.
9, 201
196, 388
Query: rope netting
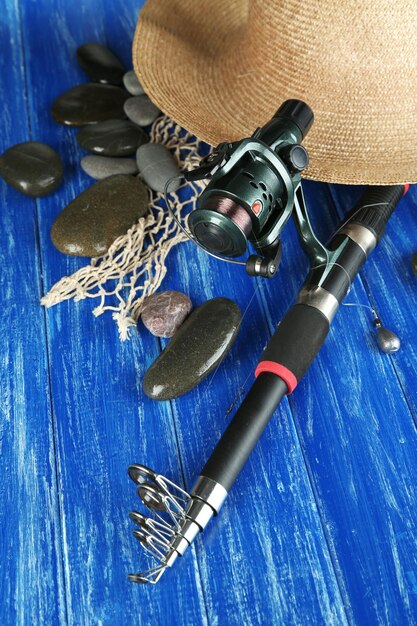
134, 266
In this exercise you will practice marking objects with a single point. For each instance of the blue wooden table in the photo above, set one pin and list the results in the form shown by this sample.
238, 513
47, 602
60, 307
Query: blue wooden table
320, 527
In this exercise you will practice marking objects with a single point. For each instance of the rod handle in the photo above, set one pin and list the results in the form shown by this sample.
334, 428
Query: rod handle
296, 341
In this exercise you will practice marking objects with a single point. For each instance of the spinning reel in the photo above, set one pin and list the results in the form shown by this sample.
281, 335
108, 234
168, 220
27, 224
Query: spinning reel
251, 191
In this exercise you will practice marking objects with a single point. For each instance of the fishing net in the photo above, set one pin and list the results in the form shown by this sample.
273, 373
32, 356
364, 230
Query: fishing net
135, 264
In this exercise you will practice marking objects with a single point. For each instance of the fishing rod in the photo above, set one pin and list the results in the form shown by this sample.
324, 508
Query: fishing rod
255, 186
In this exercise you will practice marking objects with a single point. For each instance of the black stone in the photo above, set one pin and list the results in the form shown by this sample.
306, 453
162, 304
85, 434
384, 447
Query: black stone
100, 64
90, 223
112, 138
32, 167
196, 349
88, 104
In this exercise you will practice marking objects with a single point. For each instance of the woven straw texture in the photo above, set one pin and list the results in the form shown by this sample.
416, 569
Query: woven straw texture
221, 69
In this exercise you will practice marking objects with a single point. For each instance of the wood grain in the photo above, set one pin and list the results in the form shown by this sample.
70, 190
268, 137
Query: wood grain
358, 436
319, 528
31, 547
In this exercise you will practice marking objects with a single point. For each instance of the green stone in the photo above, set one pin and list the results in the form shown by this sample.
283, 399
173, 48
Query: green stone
195, 350
32, 168
88, 104
112, 138
90, 223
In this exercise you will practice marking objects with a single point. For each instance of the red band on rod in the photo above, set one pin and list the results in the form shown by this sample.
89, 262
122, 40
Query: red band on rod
279, 370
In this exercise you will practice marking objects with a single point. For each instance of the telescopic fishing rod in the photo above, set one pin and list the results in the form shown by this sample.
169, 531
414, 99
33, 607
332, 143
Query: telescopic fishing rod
254, 188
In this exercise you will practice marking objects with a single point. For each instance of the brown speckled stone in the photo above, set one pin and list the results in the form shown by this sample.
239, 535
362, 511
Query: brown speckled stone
164, 312
196, 349
90, 223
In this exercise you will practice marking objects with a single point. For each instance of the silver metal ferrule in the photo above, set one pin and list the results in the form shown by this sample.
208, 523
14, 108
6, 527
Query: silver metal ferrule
207, 498
361, 235
320, 299
185, 535
178, 517
210, 491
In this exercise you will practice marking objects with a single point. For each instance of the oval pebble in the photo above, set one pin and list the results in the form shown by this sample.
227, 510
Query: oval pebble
100, 167
164, 312
132, 84
157, 165
32, 167
94, 219
141, 110
112, 138
196, 349
100, 64
88, 104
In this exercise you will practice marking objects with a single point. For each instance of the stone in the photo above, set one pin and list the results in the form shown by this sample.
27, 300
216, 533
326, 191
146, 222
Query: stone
164, 312
141, 110
32, 168
112, 138
88, 104
132, 84
100, 167
156, 166
94, 219
100, 64
195, 350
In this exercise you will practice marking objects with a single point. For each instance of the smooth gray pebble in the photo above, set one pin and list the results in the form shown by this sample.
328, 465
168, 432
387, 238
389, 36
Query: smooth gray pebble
100, 167
141, 110
156, 166
132, 84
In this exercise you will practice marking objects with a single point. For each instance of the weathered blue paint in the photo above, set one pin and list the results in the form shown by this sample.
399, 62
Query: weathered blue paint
319, 528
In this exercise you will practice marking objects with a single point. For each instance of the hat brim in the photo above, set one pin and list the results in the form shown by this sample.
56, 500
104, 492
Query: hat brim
193, 64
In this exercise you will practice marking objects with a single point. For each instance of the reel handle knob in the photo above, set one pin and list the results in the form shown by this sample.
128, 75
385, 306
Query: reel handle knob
258, 266
295, 157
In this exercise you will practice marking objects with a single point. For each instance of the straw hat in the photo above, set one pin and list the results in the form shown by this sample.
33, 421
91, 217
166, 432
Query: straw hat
221, 68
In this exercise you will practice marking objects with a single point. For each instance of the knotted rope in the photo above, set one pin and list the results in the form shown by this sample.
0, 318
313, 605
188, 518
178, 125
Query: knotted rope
135, 264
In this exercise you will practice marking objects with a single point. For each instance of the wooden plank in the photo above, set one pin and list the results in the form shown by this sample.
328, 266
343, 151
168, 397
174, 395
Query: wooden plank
359, 439
96, 381
361, 514
389, 280
31, 580
268, 537
101, 420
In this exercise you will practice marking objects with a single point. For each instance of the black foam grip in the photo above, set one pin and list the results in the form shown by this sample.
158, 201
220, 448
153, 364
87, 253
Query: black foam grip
243, 432
297, 339
377, 204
